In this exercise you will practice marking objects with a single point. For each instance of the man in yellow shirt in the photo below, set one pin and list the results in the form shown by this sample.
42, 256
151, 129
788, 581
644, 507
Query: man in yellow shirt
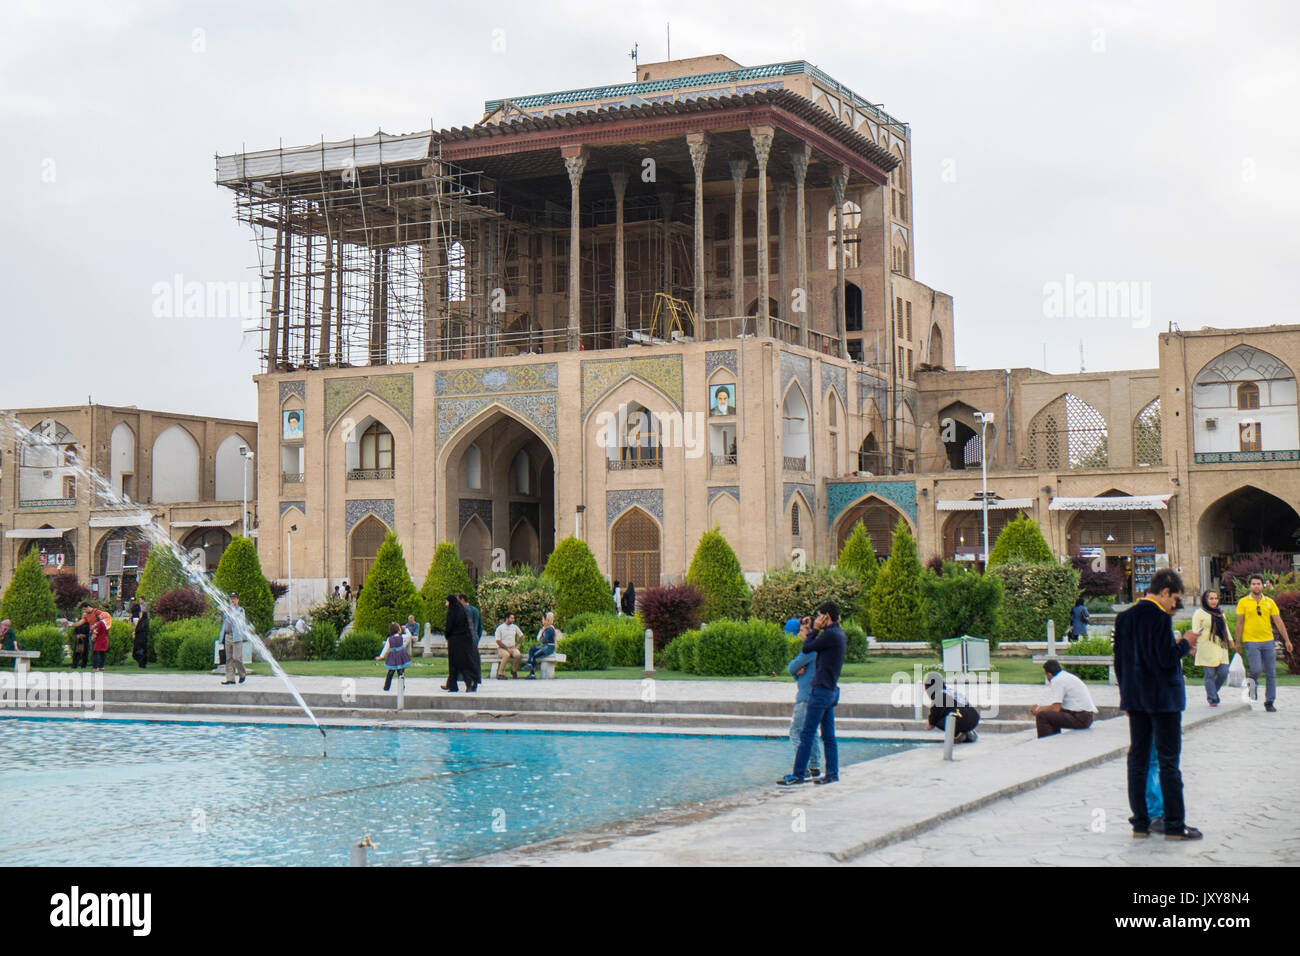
1257, 615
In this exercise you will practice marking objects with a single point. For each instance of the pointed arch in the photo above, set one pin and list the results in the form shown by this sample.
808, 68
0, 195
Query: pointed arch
796, 426
363, 546
229, 467
880, 518
1067, 432
474, 541
175, 466
1148, 446
635, 549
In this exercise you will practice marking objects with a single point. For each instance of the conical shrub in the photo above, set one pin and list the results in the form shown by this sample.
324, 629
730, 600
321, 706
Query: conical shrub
897, 607
1021, 543
579, 585
162, 573
240, 570
447, 575
29, 599
858, 558
388, 594
715, 573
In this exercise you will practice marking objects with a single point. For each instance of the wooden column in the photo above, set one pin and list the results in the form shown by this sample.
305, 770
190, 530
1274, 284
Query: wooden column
338, 307
575, 162
799, 160
286, 296
782, 247
618, 177
738, 169
762, 136
838, 181
698, 143
306, 308
326, 301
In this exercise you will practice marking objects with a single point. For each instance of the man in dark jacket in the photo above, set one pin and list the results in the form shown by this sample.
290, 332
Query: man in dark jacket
828, 640
140, 650
1148, 666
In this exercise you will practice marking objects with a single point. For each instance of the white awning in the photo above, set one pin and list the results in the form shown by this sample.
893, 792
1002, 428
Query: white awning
950, 504
119, 521
1117, 503
37, 532
206, 523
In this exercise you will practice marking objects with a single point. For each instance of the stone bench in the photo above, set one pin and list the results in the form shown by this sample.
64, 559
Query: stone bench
547, 669
22, 659
1102, 660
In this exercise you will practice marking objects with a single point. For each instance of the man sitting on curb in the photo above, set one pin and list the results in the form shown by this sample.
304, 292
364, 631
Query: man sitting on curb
945, 700
1071, 705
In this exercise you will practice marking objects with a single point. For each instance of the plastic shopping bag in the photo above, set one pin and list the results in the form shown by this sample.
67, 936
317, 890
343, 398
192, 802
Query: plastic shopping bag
1236, 671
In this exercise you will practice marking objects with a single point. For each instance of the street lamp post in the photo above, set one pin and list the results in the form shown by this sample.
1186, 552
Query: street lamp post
288, 553
247, 454
985, 419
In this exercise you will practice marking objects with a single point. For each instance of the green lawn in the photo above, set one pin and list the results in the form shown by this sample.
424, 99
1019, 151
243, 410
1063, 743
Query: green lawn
1010, 670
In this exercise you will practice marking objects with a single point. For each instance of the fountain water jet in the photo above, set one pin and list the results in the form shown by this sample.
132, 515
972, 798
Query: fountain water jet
161, 538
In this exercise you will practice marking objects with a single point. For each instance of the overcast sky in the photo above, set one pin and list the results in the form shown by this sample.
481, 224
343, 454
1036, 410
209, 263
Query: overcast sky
1148, 143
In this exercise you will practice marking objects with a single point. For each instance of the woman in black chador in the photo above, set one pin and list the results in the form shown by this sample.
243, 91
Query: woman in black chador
460, 648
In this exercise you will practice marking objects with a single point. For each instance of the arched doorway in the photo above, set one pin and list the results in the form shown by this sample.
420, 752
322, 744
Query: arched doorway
963, 533
852, 308
879, 518
121, 558
635, 549
870, 459
499, 473
1242, 522
1129, 540
212, 541
363, 546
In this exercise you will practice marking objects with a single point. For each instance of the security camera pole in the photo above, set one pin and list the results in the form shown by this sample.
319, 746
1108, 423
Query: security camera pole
247, 455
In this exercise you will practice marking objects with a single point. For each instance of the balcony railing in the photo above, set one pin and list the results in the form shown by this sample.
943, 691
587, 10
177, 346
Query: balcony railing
633, 464
291, 478
369, 474
796, 464
724, 459
48, 503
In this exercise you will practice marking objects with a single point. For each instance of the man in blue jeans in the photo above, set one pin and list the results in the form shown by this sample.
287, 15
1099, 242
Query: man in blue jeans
828, 641
802, 668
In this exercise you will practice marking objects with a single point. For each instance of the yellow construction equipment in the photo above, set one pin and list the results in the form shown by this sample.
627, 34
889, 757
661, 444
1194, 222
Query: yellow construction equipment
671, 312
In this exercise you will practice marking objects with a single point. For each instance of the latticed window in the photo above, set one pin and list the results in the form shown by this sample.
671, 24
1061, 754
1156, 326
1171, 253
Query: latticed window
879, 520
1147, 446
376, 448
1247, 395
794, 520
636, 550
972, 452
1083, 439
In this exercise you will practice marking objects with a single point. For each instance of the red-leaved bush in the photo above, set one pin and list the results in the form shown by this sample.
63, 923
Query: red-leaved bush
1268, 563
1108, 582
670, 611
69, 593
179, 604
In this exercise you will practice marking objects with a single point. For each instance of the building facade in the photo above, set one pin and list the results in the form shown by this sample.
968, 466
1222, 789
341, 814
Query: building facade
187, 471
635, 312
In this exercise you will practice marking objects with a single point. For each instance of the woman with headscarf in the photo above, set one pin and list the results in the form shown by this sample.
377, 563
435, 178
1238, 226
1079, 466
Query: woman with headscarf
629, 599
460, 648
1213, 643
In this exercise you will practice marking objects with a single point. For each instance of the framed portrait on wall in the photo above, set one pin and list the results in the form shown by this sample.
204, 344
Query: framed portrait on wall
292, 425
722, 399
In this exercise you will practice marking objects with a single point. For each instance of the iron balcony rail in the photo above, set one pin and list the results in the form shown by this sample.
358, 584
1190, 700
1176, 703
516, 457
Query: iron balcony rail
796, 464
369, 474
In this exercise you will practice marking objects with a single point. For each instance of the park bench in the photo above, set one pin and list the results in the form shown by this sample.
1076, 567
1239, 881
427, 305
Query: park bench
22, 659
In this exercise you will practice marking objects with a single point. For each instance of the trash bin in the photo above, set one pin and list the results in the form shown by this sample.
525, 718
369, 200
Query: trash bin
966, 653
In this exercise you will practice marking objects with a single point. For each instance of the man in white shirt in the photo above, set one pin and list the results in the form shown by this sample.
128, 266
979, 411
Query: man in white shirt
507, 637
1071, 705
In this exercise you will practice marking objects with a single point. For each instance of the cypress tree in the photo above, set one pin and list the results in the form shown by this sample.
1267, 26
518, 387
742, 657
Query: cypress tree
579, 585
388, 594
240, 570
858, 558
715, 573
897, 607
29, 599
447, 575
162, 573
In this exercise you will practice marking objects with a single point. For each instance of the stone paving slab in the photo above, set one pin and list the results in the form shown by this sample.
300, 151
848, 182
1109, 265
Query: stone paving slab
900, 809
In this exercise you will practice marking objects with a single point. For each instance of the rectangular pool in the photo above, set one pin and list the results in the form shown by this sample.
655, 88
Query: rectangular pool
136, 793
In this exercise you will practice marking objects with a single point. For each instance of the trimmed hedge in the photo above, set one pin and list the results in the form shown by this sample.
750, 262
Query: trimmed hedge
336, 610
856, 649
1020, 542
1033, 594
726, 648
388, 595
625, 637
121, 638
195, 653
1089, 646
320, 643
50, 639
585, 652
786, 593
858, 559
361, 645
162, 573
897, 605
168, 638
286, 647
521, 593
239, 570
958, 602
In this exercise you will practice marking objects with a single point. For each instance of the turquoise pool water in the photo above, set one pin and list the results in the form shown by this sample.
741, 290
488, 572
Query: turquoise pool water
118, 793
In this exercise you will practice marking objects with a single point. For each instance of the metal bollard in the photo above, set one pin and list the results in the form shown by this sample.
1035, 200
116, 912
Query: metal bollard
401, 689
360, 855
649, 652
949, 733
1051, 638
